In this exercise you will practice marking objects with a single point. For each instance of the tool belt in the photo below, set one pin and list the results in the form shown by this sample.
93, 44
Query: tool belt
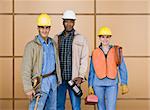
36, 81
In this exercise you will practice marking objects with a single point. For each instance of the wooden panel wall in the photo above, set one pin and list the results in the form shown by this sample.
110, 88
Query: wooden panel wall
130, 24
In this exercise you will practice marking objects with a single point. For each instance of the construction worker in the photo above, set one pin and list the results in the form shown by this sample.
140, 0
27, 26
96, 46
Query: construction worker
103, 79
73, 54
41, 66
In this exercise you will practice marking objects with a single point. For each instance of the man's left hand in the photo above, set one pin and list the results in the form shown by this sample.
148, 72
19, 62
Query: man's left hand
78, 80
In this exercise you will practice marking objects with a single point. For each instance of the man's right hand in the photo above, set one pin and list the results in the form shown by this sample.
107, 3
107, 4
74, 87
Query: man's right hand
30, 94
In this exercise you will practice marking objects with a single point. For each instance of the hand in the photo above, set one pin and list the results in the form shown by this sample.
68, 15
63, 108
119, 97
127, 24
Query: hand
78, 80
124, 89
90, 91
34, 82
30, 94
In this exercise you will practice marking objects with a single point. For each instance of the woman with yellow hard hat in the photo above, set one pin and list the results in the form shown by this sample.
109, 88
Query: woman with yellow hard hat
103, 79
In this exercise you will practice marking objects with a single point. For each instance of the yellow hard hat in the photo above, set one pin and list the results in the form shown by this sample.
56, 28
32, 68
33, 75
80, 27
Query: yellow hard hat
104, 31
44, 20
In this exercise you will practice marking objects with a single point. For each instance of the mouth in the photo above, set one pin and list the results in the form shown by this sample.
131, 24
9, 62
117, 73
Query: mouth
44, 33
69, 28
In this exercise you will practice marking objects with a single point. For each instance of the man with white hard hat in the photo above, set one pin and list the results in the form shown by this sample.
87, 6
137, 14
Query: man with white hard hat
74, 55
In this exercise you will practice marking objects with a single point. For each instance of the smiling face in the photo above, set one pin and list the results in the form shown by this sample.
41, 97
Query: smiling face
105, 39
44, 31
68, 24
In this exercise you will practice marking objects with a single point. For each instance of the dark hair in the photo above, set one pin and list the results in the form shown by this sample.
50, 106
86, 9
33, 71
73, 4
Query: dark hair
105, 35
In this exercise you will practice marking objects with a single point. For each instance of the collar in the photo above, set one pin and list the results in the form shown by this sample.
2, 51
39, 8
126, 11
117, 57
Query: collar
110, 46
42, 41
70, 33
37, 41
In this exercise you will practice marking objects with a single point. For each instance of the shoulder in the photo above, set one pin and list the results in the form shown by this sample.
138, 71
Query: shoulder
55, 38
30, 44
117, 46
79, 37
96, 50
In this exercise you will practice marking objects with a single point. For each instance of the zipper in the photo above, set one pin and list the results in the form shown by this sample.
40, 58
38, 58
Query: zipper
106, 58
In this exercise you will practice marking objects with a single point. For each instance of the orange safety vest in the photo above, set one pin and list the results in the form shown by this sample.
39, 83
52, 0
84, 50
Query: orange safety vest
105, 67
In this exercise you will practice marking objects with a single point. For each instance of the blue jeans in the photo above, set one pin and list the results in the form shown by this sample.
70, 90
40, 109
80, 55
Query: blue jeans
48, 100
61, 97
107, 97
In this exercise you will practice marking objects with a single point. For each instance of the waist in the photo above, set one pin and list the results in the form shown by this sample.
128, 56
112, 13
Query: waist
49, 74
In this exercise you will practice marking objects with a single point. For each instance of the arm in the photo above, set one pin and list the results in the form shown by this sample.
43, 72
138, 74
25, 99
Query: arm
27, 68
84, 60
91, 78
123, 72
91, 74
124, 77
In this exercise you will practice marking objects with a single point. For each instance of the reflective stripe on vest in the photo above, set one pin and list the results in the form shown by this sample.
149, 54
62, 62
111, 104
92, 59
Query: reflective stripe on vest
104, 67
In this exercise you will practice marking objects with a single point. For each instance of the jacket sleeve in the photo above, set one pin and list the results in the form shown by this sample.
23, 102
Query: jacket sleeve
84, 60
123, 72
91, 74
55, 38
27, 68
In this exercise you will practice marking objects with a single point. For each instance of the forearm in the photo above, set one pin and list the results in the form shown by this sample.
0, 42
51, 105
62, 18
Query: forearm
123, 73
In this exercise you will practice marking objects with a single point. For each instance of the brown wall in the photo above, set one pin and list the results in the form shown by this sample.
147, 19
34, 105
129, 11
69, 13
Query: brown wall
130, 24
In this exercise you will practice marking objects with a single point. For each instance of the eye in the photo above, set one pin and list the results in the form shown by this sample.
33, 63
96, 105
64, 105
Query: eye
47, 27
41, 27
108, 37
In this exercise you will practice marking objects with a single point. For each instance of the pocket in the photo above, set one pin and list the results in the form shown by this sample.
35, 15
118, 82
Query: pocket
78, 48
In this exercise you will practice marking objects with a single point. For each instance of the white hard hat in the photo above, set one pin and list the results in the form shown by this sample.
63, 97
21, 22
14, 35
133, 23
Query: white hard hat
69, 14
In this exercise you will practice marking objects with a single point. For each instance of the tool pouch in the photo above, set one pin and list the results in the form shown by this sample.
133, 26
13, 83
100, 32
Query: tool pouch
36, 81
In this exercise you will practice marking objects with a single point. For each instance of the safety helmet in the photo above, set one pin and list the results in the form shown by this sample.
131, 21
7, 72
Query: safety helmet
104, 31
69, 14
44, 20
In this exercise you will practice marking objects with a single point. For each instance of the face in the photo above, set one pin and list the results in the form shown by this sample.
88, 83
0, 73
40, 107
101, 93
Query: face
68, 24
105, 39
44, 31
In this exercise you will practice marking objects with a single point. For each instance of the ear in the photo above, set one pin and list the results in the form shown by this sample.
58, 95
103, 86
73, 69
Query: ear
38, 28
73, 22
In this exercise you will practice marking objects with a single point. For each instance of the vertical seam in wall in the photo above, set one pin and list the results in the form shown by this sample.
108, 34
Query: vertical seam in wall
13, 48
94, 24
94, 32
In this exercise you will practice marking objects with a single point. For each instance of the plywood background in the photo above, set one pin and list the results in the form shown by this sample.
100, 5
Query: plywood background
130, 24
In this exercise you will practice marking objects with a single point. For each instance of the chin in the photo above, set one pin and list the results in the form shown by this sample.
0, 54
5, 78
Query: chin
44, 35
105, 44
69, 29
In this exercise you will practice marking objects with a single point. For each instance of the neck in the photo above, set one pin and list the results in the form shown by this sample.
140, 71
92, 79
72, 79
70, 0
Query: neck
44, 38
105, 46
67, 32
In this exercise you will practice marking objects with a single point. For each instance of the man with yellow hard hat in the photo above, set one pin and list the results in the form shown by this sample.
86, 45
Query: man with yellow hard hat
41, 68
103, 78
